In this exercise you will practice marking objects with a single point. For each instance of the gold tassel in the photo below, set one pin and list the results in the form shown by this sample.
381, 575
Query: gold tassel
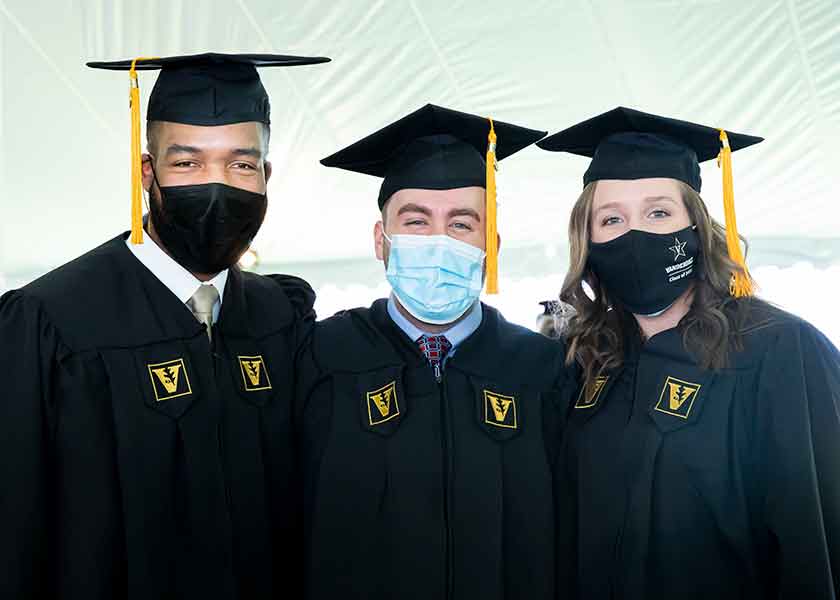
136, 166
492, 231
741, 284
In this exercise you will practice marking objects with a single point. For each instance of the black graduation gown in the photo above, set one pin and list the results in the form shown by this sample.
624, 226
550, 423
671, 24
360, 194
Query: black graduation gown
419, 489
134, 463
689, 483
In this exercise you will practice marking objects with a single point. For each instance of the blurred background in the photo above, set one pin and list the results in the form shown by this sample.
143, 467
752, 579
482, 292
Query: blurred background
769, 68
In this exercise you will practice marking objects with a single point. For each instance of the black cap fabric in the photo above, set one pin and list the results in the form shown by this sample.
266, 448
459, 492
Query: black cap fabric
433, 148
630, 144
209, 89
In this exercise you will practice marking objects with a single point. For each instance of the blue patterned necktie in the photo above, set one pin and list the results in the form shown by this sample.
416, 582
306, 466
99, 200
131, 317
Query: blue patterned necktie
434, 348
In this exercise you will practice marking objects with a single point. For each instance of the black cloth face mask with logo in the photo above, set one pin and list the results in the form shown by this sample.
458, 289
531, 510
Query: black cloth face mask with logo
207, 227
646, 272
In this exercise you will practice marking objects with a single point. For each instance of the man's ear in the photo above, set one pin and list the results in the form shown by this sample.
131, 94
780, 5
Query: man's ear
146, 169
379, 240
268, 169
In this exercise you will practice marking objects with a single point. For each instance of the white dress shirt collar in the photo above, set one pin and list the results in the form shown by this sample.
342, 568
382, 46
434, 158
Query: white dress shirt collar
176, 278
455, 334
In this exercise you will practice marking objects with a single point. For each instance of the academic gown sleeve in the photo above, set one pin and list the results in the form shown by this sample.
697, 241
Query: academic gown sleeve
29, 353
312, 403
799, 450
300, 295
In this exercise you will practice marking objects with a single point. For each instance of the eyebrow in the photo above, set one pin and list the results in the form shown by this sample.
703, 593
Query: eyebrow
182, 149
648, 199
464, 212
414, 208
255, 153
252, 152
608, 205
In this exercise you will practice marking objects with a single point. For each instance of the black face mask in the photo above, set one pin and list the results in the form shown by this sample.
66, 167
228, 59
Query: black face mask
207, 227
646, 272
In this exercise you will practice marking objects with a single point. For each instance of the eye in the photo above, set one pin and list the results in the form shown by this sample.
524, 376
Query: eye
461, 226
659, 213
185, 164
416, 222
244, 166
610, 221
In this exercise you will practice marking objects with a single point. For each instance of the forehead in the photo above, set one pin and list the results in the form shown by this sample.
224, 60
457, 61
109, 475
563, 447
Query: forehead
631, 191
438, 200
218, 136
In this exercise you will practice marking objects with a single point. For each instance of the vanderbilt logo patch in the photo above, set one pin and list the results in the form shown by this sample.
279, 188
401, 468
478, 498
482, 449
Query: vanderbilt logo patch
170, 380
254, 373
677, 397
500, 410
383, 404
590, 394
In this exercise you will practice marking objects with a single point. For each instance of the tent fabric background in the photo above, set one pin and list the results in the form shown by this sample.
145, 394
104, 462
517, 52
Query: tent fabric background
769, 68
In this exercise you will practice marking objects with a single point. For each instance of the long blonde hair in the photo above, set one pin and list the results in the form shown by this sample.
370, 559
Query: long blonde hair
597, 334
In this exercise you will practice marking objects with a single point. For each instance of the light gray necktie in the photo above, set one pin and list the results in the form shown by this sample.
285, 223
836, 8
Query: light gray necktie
201, 304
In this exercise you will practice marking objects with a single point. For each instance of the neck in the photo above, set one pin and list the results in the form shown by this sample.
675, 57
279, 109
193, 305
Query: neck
150, 230
428, 327
650, 326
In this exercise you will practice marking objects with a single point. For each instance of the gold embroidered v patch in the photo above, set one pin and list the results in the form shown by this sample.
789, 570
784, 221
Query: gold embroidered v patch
589, 394
500, 410
254, 373
677, 397
383, 404
170, 379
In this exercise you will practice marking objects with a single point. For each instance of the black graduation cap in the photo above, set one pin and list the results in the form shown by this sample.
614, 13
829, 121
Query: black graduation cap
209, 89
629, 144
200, 89
437, 148
433, 148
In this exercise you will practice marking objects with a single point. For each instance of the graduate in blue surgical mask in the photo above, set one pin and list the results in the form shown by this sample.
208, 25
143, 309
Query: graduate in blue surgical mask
701, 457
428, 423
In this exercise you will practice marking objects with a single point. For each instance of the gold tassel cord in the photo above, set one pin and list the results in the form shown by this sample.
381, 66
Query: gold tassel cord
136, 166
492, 230
741, 284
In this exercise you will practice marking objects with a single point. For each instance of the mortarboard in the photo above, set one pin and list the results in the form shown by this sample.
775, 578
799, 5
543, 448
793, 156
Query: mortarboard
629, 144
436, 148
203, 89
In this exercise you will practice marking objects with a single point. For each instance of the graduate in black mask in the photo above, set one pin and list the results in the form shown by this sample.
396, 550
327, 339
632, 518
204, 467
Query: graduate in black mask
145, 436
701, 457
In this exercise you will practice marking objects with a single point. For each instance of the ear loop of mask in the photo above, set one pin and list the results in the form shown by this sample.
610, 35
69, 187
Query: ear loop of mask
148, 197
700, 266
154, 175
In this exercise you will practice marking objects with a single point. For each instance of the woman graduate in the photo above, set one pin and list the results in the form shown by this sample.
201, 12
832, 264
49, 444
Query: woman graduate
702, 456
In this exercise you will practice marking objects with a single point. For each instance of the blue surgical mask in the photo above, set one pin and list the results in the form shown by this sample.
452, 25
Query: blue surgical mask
436, 278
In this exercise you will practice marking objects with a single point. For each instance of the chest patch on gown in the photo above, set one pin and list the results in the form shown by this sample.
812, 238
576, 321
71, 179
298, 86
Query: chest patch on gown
500, 410
254, 373
677, 397
590, 394
383, 404
170, 379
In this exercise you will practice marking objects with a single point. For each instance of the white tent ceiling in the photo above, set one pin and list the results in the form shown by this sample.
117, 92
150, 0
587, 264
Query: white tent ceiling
765, 67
